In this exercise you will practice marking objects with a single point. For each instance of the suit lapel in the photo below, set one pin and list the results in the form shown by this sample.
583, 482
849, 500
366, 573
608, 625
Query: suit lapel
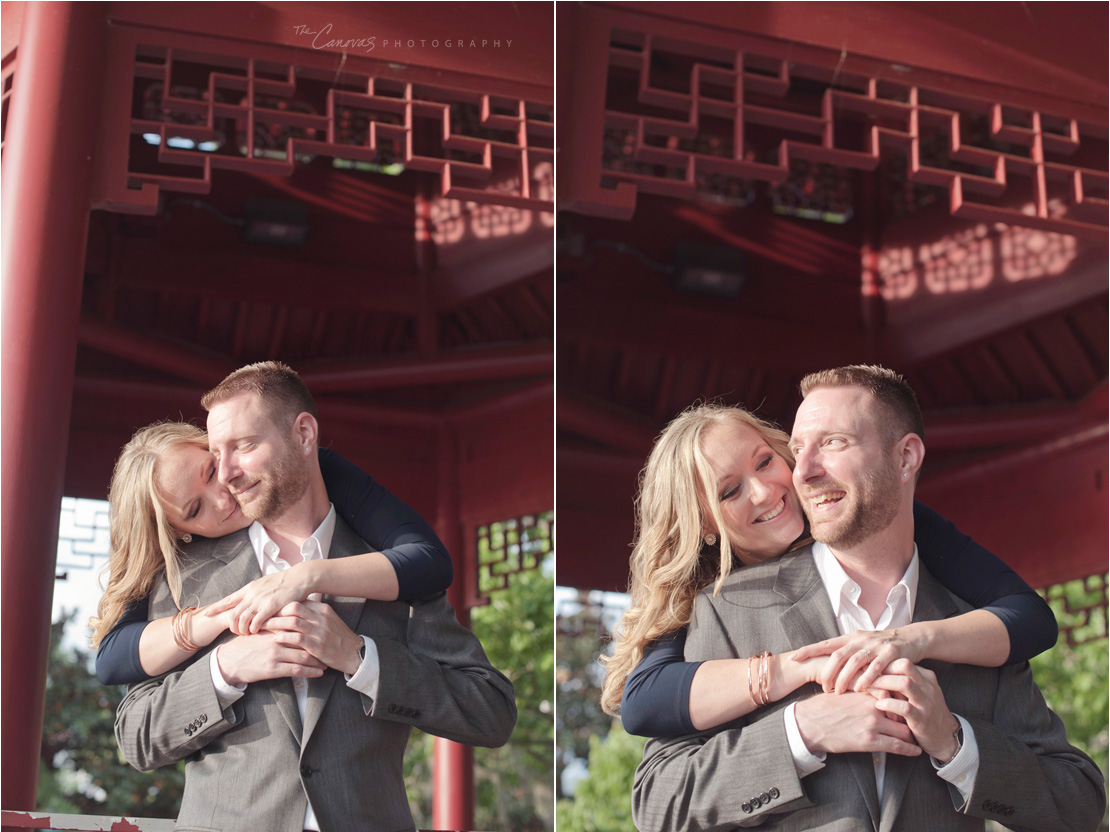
344, 544
933, 603
241, 567
810, 618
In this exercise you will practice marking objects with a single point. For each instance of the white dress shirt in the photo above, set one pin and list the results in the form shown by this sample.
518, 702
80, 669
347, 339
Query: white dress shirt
316, 547
844, 594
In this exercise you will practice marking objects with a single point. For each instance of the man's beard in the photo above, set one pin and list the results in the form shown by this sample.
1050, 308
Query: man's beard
874, 504
278, 489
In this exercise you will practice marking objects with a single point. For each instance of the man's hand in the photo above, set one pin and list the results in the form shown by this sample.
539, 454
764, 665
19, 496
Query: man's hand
838, 723
314, 627
919, 700
248, 659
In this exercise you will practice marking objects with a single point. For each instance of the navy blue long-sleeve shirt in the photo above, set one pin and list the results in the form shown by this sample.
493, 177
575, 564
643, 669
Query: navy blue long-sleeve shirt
420, 559
656, 700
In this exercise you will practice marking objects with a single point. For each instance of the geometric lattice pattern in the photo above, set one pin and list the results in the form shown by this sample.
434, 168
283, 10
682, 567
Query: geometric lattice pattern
1081, 608
681, 116
510, 546
208, 111
82, 534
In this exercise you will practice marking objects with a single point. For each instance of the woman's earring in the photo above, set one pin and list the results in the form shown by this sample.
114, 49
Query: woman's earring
710, 539
904, 476
186, 538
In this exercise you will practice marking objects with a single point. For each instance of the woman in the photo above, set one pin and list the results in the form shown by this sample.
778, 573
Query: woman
717, 492
164, 490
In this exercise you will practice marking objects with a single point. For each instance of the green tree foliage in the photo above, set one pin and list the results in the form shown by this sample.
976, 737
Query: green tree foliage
81, 770
513, 784
579, 717
603, 800
1075, 679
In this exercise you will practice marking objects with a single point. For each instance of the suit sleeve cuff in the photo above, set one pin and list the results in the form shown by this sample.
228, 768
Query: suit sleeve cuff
805, 762
365, 679
227, 693
962, 769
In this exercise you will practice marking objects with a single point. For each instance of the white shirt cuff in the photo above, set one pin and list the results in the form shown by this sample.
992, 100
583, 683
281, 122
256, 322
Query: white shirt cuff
805, 762
365, 679
227, 693
962, 769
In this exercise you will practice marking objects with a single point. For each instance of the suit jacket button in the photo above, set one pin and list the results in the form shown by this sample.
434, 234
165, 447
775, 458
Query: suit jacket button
203, 718
765, 798
416, 714
756, 802
188, 730
306, 771
747, 807
775, 794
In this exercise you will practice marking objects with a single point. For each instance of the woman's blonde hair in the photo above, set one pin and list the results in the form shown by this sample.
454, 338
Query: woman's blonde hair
675, 507
142, 540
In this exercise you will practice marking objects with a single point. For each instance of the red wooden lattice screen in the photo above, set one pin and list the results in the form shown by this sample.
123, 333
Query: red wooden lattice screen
259, 108
680, 114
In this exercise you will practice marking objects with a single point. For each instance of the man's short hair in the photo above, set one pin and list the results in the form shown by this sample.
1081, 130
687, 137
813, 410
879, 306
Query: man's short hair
281, 391
890, 390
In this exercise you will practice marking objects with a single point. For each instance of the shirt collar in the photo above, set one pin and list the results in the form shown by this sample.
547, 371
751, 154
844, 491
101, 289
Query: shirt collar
316, 546
840, 587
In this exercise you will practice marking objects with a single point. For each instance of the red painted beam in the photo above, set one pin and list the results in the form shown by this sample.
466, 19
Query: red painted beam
691, 330
444, 368
475, 266
1043, 509
188, 362
48, 169
262, 274
602, 422
998, 427
926, 327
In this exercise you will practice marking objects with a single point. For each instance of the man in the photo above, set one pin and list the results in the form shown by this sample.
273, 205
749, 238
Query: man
953, 745
274, 739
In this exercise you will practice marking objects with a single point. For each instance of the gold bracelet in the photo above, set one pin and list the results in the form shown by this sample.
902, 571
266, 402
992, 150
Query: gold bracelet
178, 626
765, 679
751, 687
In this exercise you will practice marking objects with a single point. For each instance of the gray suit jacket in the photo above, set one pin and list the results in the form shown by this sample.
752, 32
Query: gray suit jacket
252, 766
742, 773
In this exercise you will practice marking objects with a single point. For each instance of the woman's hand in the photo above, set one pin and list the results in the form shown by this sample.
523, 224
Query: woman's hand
249, 608
857, 659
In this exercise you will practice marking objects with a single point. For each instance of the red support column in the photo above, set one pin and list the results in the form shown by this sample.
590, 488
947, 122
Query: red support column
48, 164
453, 763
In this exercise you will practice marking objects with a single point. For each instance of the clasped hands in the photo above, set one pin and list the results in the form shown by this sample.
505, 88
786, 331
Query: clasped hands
303, 639
247, 610
876, 699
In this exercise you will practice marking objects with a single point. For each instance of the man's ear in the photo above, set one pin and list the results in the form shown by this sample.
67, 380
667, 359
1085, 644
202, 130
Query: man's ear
306, 433
911, 455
